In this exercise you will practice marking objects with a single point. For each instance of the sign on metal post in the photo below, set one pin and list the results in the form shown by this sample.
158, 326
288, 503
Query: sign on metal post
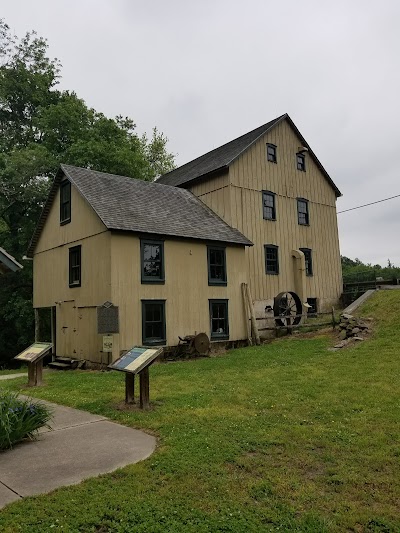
107, 318
107, 343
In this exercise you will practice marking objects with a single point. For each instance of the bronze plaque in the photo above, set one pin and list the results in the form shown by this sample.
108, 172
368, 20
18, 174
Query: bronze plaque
107, 319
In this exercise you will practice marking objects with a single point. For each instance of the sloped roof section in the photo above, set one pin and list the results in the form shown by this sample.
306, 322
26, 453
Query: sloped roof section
8, 263
139, 206
220, 158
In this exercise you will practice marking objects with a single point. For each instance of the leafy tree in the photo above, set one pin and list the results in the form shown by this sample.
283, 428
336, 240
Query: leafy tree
42, 127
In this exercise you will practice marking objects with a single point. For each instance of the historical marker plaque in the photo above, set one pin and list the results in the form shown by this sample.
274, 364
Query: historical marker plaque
107, 318
34, 356
35, 352
137, 361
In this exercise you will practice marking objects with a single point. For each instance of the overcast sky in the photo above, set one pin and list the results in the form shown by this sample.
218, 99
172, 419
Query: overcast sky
206, 72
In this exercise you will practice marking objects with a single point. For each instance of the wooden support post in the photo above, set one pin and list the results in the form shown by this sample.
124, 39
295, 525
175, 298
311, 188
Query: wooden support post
129, 388
246, 314
37, 325
144, 389
39, 373
31, 374
254, 327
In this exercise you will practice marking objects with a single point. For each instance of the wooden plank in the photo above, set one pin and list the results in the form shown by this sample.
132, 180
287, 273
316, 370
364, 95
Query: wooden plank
144, 389
129, 388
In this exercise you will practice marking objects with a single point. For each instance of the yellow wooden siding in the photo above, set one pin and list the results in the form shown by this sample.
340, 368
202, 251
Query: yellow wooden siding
186, 291
248, 177
84, 223
215, 193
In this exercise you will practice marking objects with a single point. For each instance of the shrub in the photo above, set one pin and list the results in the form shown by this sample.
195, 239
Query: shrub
20, 418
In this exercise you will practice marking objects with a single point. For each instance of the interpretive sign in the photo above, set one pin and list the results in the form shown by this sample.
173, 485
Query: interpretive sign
107, 318
34, 356
35, 352
136, 359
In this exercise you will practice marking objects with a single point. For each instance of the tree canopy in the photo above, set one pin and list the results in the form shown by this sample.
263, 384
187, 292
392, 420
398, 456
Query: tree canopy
41, 127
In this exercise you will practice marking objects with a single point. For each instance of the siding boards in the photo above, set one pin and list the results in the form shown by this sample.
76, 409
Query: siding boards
248, 176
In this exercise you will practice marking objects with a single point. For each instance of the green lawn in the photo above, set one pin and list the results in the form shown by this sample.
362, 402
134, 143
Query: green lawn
284, 437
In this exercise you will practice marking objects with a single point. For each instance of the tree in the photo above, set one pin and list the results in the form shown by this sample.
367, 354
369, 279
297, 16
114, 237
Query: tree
42, 127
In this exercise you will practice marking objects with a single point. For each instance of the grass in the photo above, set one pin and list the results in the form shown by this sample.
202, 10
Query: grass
21, 370
283, 437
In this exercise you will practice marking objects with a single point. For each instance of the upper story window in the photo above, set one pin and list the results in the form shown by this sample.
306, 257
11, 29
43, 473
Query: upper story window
216, 265
75, 266
271, 259
271, 153
303, 216
308, 259
65, 202
219, 319
301, 162
269, 210
152, 260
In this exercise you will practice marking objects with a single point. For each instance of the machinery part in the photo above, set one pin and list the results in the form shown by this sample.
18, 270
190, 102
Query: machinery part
202, 343
287, 309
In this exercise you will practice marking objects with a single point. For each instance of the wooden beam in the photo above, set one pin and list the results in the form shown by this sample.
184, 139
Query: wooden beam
129, 388
144, 389
254, 327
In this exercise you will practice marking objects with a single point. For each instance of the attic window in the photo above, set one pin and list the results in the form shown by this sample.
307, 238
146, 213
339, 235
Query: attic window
271, 153
65, 202
301, 162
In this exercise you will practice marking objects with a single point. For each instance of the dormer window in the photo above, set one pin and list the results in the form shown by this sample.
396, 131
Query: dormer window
65, 202
301, 162
271, 153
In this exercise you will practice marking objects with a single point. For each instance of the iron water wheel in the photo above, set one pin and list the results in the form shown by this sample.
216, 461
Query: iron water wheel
287, 308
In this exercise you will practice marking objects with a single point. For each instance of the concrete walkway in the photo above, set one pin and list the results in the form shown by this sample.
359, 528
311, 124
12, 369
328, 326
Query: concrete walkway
13, 376
80, 445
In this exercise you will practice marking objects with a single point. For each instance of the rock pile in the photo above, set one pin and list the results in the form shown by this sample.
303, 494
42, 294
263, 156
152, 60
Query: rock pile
351, 328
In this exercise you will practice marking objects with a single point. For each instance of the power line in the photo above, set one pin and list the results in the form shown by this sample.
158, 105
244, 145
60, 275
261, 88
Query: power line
372, 203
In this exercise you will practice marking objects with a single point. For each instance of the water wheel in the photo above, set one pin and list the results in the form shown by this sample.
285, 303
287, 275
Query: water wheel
287, 308
202, 343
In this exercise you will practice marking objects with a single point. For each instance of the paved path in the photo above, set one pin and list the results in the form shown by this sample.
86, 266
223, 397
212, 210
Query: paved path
13, 376
80, 445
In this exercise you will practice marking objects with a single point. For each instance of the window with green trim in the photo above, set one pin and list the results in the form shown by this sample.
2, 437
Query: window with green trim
271, 259
65, 202
303, 216
216, 256
219, 323
153, 322
152, 254
269, 210
308, 259
75, 266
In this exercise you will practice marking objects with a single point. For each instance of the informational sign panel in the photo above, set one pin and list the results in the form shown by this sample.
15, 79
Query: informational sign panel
35, 352
107, 318
136, 359
107, 343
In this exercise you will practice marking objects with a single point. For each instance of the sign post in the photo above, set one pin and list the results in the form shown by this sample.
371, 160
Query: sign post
137, 361
34, 356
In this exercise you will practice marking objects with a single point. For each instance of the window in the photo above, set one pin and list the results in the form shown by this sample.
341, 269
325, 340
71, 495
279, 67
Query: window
219, 319
271, 153
153, 322
312, 310
301, 162
152, 261
65, 202
216, 265
302, 212
271, 259
308, 258
269, 211
75, 266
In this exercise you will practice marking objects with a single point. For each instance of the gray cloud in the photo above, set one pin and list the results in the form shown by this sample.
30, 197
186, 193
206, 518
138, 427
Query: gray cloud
206, 72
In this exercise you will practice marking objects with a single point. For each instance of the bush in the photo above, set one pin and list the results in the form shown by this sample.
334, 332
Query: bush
20, 418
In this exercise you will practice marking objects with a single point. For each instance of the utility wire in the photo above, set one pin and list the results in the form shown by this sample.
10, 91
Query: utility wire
372, 203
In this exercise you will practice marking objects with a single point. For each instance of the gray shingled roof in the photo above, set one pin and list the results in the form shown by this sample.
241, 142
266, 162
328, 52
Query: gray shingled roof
129, 204
220, 158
